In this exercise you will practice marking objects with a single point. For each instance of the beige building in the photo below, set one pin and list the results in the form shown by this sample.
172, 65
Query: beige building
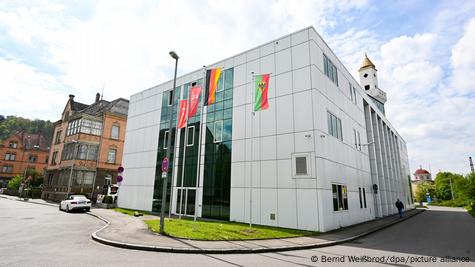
86, 149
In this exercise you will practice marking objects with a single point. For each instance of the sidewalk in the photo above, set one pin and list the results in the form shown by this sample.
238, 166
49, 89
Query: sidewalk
31, 200
132, 233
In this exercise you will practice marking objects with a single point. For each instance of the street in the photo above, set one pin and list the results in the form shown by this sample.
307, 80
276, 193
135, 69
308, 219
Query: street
38, 235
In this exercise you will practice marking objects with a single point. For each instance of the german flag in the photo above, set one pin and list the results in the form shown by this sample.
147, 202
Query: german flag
212, 77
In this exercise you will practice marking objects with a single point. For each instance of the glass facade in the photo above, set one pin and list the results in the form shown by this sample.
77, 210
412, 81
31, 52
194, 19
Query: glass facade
162, 147
218, 145
217, 160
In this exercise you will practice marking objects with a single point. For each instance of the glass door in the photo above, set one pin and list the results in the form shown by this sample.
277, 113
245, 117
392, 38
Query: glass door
186, 197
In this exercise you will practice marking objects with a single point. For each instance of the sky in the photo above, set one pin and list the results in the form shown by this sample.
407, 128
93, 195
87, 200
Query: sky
424, 52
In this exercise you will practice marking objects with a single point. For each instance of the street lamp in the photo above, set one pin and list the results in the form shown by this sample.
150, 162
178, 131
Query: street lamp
72, 166
169, 144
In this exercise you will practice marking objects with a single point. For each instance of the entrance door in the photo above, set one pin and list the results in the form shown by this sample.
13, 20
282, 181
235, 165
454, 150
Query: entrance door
187, 197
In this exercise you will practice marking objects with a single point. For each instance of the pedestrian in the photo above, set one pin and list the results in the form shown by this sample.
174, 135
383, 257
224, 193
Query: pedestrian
400, 207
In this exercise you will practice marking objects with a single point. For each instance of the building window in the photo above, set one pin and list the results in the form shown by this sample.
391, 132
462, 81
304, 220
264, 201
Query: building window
366, 87
361, 199
115, 132
92, 152
82, 178
301, 166
58, 137
340, 197
108, 180
10, 156
330, 69
218, 131
91, 127
334, 126
82, 151
73, 127
191, 136
111, 155
84, 126
165, 139
68, 151
7, 169
50, 178
355, 100
13, 144
221, 80
53, 159
364, 198
32, 158
88, 178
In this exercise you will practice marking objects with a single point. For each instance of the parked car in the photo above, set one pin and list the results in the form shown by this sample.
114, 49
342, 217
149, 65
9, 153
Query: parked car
75, 202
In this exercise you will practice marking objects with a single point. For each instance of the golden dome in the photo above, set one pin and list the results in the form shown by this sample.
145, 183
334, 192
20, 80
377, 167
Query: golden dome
367, 62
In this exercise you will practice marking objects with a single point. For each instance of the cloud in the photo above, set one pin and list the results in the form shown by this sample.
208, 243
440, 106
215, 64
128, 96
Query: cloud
435, 123
25, 89
463, 61
124, 46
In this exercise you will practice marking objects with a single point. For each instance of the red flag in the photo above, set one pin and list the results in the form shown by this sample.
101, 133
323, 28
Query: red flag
195, 93
182, 115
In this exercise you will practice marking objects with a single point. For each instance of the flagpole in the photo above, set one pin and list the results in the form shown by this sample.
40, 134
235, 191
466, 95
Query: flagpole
185, 142
174, 151
198, 167
252, 152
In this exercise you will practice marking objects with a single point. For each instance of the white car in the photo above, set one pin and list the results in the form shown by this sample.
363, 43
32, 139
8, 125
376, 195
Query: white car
75, 202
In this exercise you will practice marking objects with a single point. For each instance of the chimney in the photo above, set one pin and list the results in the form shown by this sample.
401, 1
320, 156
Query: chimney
98, 96
71, 97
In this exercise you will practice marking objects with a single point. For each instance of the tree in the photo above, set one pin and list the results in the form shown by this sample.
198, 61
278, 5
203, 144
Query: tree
15, 182
424, 188
470, 190
13, 124
442, 185
36, 177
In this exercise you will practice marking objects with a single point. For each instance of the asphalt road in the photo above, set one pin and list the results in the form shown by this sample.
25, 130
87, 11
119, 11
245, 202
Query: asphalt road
37, 235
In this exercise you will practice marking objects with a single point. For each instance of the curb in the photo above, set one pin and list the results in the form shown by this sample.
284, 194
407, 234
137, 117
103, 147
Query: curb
125, 245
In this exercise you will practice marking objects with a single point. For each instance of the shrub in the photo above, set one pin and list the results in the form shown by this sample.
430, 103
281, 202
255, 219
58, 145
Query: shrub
451, 203
15, 182
36, 193
108, 200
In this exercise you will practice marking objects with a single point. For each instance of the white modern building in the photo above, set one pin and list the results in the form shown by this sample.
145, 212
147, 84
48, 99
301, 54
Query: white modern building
322, 156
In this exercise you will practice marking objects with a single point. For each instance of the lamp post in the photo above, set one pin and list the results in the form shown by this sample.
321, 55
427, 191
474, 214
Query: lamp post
72, 166
169, 143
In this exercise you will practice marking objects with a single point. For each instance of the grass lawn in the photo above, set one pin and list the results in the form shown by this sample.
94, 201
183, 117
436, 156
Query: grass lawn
130, 212
204, 230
